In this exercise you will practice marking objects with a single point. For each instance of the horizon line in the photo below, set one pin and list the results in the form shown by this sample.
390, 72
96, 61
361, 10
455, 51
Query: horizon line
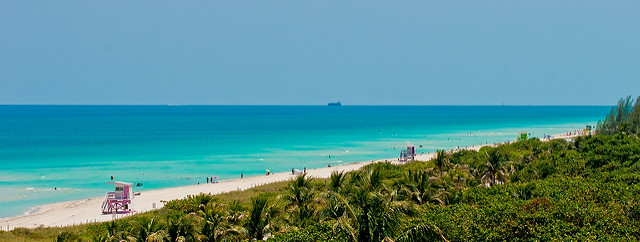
319, 105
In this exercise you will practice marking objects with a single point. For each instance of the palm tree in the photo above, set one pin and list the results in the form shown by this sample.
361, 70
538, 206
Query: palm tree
348, 220
441, 160
216, 224
66, 236
236, 213
112, 228
258, 218
368, 180
115, 232
300, 190
333, 208
181, 229
495, 169
144, 226
159, 236
337, 181
301, 196
420, 188
196, 203
99, 238
380, 217
459, 175
214, 218
371, 211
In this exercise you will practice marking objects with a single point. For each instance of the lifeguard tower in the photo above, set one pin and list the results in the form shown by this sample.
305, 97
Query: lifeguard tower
120, 200
523, 136
408, 154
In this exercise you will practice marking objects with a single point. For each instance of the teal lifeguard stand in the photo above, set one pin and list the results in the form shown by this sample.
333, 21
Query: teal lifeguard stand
523, 136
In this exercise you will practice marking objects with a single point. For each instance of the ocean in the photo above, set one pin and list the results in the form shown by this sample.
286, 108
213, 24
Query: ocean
59, 153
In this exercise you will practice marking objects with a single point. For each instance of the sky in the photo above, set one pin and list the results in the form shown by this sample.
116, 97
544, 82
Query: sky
315, 52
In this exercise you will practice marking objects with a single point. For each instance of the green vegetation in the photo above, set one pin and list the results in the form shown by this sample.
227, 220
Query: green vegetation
623, 118
588, 189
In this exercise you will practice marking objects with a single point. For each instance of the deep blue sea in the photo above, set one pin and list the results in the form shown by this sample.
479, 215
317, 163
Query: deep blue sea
77, 148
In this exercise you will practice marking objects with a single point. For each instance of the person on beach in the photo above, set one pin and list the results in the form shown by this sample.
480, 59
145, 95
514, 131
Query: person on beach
207, 179
111, 177
241, 175
292, 171
305, 170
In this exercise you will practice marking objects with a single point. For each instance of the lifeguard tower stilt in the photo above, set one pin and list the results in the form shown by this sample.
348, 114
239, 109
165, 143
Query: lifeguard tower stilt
120, 200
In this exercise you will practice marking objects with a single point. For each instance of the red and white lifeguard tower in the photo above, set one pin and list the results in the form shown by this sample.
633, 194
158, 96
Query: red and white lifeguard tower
120, 200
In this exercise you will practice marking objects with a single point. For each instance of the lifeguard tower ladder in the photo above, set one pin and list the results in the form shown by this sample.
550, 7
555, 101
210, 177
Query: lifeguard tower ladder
120, 200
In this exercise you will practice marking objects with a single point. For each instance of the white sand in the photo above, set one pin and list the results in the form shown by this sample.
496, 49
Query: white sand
88, 210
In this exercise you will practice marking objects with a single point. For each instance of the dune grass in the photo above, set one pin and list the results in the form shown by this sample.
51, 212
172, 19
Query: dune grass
84, 231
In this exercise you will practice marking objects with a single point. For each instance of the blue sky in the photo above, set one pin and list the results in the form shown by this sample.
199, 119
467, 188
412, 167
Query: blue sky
314, 52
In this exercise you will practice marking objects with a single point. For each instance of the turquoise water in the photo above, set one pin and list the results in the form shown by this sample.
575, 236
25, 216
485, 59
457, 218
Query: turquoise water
77, 148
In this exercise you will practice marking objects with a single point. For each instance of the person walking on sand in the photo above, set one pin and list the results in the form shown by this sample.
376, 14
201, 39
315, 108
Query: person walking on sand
207, 179
241, 175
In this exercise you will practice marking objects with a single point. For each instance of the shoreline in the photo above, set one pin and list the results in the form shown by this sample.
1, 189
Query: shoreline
87, 210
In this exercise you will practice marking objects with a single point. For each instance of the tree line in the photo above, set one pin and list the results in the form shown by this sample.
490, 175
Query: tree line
582, 190
623, 118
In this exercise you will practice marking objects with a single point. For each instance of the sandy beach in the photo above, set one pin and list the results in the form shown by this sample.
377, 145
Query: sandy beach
88, 210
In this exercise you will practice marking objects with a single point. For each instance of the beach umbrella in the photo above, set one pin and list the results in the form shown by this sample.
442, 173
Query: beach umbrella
267, 170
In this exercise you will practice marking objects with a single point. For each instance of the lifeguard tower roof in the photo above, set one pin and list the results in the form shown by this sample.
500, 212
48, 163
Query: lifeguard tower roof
120, 183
